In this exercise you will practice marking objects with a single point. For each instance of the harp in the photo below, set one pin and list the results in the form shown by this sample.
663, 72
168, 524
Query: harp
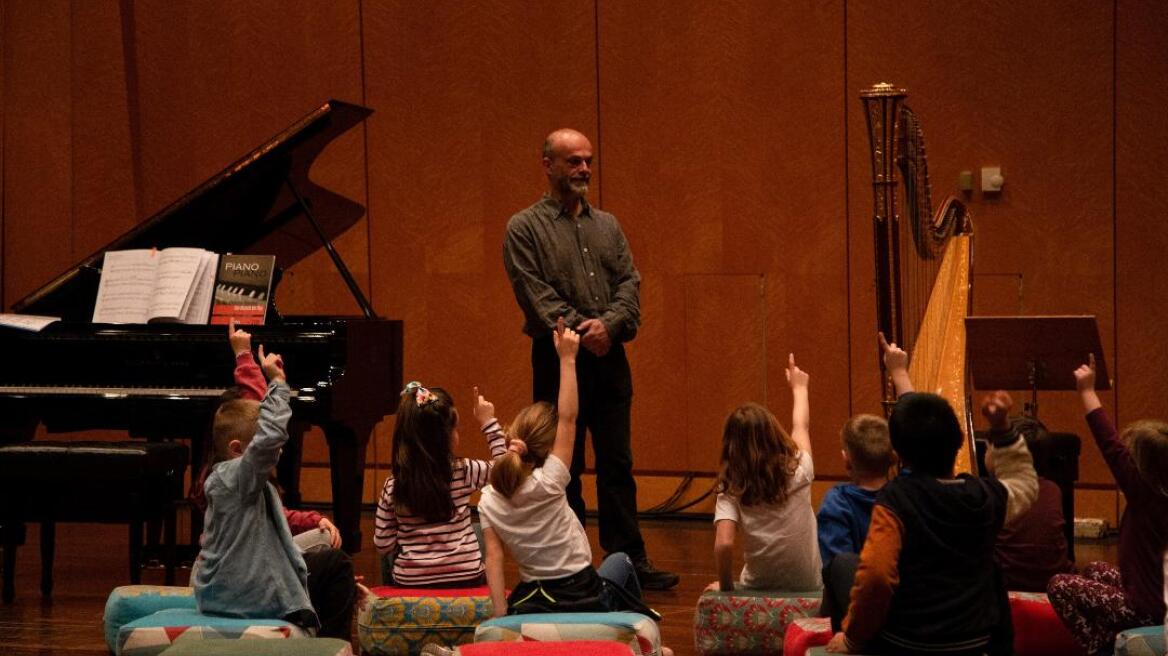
923, 260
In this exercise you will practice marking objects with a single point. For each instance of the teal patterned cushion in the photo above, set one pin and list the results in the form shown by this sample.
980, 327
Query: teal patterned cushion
151, 635
400, 621
747, 622
130, 602
1144, 641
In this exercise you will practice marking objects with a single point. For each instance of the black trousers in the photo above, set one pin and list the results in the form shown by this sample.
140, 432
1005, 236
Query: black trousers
606, 397
332, 590
838, 575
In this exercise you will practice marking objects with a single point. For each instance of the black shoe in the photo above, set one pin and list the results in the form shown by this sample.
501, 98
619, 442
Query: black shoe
652, 578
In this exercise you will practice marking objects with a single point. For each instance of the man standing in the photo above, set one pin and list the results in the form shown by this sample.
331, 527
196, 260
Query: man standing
568, 259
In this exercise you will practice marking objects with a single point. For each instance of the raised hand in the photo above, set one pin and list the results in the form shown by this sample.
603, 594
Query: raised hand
1085, 375
272, 364
796, 377
567, 340
996, 408
240, 339
484, 410
894, 356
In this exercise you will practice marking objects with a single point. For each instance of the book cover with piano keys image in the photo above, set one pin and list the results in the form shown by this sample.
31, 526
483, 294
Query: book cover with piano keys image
242, 289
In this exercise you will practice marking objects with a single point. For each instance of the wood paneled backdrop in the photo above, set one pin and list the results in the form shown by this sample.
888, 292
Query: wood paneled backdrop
729, 140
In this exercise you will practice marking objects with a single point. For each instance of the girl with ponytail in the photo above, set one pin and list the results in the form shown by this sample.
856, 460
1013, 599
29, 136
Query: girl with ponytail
525, 509
423, 519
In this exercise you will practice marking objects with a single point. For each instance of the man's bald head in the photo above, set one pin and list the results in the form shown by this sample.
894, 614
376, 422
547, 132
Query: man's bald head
564, 139
567, 161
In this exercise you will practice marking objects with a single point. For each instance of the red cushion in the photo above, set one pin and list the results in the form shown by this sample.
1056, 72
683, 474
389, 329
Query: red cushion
805, 633
1038, 631
393, 591
566, 648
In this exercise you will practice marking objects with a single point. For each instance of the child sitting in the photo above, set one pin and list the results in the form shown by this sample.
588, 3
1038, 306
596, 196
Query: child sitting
423, 516
927, 582
248, 565
525, 508
1034, 548
1104, 600
764, 489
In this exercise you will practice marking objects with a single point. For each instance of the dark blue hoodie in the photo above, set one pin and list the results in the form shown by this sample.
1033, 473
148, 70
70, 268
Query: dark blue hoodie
843, 519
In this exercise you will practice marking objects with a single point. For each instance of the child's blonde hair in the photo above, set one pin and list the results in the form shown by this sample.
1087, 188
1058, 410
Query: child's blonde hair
535, 425
1148, 442
865, 439
758, 456
235, 419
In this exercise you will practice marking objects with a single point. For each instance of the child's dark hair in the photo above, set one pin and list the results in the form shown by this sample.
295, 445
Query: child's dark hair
925, 433
535, 425
758, 457
235, 419
422, 459
865, 439
1148, 442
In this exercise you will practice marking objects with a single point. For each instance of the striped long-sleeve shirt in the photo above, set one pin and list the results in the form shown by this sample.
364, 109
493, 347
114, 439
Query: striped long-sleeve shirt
430, 553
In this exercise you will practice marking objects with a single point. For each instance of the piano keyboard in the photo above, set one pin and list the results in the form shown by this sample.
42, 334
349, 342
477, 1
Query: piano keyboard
115, 392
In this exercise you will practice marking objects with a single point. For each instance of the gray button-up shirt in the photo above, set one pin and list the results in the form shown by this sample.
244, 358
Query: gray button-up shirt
578, 268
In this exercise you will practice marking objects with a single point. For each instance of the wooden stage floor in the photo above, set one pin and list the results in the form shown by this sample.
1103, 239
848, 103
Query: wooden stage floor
91, 560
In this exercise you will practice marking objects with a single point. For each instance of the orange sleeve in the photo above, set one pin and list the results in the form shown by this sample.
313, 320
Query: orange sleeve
876, 578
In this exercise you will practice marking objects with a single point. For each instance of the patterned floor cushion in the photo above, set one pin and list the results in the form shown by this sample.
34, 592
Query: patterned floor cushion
401, 620
1144, 641
150, 635
638, 632
302, 647
130, 602
747, 621
566, 648
1038, 631
805, 633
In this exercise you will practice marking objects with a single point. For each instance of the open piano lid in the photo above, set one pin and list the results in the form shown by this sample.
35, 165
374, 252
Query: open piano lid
245, 208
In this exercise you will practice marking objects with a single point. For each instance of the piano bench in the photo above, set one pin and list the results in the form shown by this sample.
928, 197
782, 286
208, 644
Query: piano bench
106, 482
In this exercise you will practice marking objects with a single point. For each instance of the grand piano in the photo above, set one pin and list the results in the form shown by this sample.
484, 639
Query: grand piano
162, 381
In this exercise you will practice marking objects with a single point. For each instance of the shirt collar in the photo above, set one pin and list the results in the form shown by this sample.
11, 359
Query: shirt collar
556, 210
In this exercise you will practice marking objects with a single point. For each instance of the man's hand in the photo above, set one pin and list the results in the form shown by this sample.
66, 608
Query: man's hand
330, 528
484, 410
837, 645
996, 408
240, 339
594, 336
272, 364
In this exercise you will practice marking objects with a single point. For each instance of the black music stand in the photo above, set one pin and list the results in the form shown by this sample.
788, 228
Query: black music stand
1034, 353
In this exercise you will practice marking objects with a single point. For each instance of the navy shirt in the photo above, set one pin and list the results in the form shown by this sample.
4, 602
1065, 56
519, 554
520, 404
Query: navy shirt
843, 517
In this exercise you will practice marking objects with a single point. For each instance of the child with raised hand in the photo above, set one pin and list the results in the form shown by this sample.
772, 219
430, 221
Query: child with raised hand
764, 491
248, 565
423, 515
525, 510
1104, 600
927, 582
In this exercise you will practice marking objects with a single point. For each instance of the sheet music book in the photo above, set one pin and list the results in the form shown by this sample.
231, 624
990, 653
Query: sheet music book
242, 289
30, 322
147, 285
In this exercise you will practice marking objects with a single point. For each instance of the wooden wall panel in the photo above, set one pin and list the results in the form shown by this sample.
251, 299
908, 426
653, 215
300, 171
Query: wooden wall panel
465, 94
215, 79
1141, 233
722, 150
1023, 86
38, 178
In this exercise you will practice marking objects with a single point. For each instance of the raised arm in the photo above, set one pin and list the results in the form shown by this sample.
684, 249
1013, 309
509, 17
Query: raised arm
567, 406
1085, 383
484, 412
248, 376
263, 451
801, 408
896, 364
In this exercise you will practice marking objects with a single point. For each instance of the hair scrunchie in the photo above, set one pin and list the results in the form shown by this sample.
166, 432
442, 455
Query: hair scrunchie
422, 396
517, 446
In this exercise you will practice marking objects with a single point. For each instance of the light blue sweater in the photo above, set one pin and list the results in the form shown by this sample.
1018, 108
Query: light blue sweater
248, 566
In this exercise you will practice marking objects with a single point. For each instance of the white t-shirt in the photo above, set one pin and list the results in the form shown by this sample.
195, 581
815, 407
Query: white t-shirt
539, 529
779, 541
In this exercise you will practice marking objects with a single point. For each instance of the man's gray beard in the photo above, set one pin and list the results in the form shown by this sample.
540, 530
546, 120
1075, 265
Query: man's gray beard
578, 188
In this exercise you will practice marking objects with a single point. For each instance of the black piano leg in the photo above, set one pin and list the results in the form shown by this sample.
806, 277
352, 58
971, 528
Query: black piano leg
288, 468
48, 551
347, 460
